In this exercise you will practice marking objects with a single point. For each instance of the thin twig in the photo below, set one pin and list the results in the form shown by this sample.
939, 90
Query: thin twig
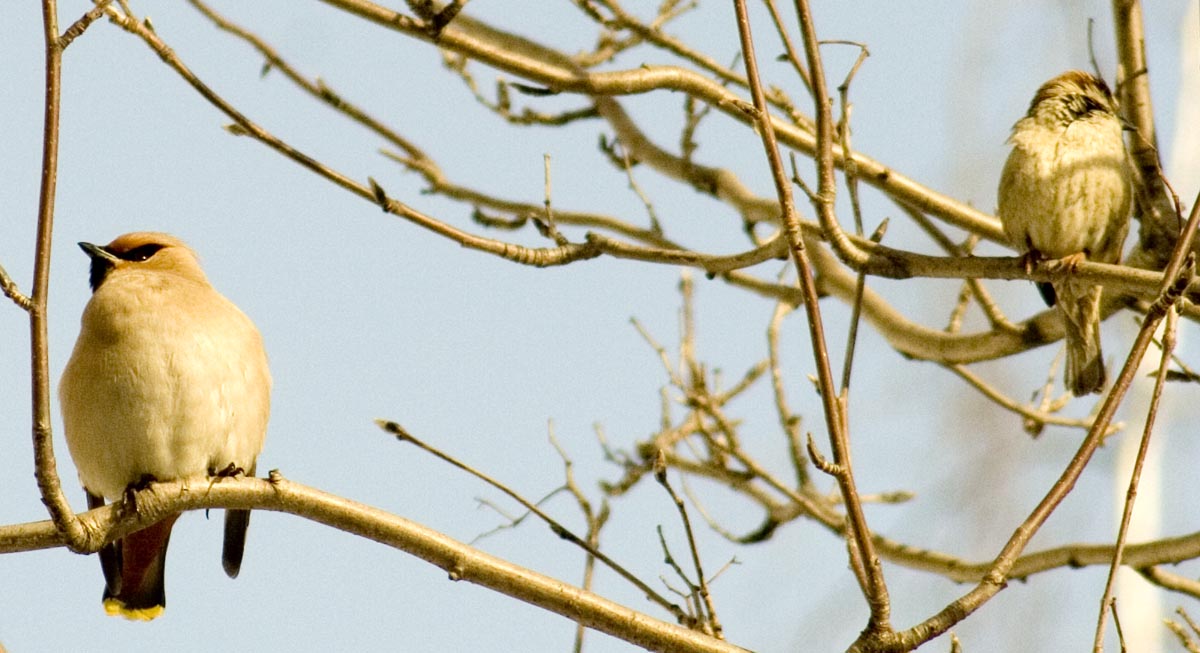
1188, 618
558, 529
10, 290
1117, 624
550, 229
709, 518
1034, 418
695, 610
655, 225
658, 349
80, 26
595, 521
860, 287
872, 584
1170, 581
512, 521
789, 49
994, 315
711, 622
539, 257
1168, 345
789, 422
961, 304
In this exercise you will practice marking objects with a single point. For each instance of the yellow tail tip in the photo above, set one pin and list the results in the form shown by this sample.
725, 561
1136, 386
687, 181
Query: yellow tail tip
114, 607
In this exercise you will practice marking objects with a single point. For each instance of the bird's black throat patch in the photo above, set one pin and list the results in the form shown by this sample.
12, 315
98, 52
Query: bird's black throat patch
99, 272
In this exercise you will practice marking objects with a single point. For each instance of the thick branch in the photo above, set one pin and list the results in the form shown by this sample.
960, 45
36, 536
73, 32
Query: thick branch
460, 561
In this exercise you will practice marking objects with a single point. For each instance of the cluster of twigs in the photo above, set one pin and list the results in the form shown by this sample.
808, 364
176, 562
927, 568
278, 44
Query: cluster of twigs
828, 260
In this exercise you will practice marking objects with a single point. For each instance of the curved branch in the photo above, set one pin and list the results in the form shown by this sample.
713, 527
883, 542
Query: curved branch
910, 338
243, 126
460, 561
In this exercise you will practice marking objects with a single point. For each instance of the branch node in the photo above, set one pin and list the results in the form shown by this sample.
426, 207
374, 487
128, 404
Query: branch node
380, 195
819, 460
10, 290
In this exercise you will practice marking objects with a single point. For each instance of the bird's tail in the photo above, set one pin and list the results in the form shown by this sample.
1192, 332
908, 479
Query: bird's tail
141, 593
1080, 307
236, 523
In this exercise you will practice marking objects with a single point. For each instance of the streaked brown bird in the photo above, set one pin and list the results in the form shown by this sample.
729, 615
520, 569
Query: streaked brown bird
168, 381
1065, 194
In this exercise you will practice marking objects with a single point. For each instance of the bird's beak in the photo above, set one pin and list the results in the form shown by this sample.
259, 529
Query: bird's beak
97, 253
103, 262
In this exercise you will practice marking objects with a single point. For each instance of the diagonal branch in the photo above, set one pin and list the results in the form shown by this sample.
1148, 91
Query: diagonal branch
521, 56
836, 420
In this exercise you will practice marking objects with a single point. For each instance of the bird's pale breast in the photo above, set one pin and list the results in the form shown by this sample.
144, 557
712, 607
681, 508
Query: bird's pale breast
1067, 192
168, 379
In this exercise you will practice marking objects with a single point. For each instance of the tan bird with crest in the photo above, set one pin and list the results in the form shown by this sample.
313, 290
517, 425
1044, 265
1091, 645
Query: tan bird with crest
168, 381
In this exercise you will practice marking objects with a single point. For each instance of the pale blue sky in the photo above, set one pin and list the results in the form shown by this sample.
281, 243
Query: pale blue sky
367, 316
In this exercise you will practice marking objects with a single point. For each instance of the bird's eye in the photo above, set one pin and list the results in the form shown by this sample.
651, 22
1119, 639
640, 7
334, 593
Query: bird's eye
1081, 105
139, 254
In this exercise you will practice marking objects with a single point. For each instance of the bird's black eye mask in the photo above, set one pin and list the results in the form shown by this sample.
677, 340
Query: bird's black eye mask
138, 254
101, 266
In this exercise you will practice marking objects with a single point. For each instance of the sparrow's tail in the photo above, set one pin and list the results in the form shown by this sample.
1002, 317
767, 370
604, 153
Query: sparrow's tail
1080, 307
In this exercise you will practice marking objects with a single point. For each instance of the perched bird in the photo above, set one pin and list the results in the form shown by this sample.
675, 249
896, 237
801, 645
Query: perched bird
168, 381
1065, 194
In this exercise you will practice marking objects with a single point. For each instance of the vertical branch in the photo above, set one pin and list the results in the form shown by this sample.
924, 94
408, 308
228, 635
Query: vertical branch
873, 585
1159, 217
875, 591
45, 467
788, 48
851, 173
789, 422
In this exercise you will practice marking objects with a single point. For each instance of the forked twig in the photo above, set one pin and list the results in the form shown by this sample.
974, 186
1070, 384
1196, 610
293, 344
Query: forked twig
561, 531
709, 612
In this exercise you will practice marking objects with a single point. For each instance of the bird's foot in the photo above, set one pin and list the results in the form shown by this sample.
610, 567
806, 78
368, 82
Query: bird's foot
232, 470
135, 487
1068, 264
1030, 259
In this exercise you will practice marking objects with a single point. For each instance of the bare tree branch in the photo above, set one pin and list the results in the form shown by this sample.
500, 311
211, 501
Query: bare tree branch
459, 561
